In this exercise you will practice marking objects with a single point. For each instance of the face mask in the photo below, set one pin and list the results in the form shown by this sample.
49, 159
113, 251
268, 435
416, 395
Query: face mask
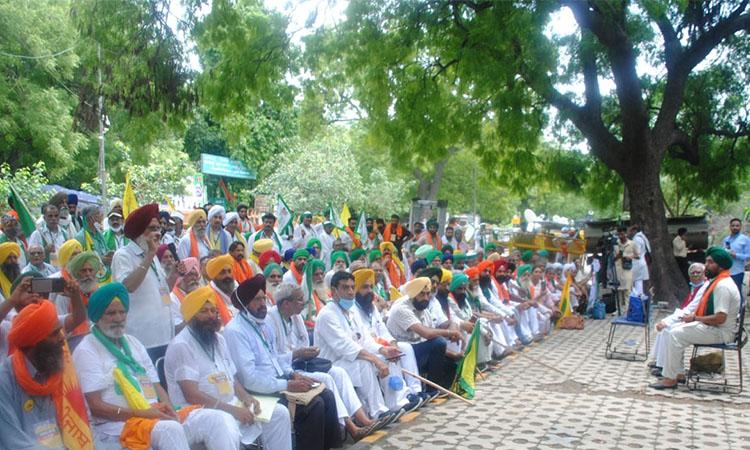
170, 233
98, 227
64, 221
346, 303
116, 229
695, 285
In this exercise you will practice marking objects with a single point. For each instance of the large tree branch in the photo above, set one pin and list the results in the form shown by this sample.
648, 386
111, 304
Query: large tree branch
606, 20
590, 76
678, 74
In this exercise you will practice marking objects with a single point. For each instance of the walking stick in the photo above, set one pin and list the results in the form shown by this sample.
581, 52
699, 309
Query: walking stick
437, 386
530, 358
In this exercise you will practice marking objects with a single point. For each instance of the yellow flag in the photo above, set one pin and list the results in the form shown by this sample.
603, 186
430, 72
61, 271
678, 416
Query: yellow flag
565, 308
169, 203
129, 202
345, 215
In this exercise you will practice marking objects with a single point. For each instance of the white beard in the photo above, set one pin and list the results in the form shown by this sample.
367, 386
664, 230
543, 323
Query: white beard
321, 290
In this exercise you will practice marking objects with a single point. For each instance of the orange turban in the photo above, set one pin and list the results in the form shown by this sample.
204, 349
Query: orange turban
216, 265
34, 323
486, 265
362, 276
472, 273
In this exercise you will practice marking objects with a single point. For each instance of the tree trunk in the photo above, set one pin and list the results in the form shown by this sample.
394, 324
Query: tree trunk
647, 210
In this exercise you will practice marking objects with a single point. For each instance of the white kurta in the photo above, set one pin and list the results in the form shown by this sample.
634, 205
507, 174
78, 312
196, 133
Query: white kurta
94, 365
150, 316
341, 337
375, 324
672, 320
726, 300
186, 360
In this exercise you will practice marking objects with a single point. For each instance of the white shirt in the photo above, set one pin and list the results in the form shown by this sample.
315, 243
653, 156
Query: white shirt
186, 360
374, 323
47, 270
640, 267
727, 300
290, 335
149, 317
340, 334
260, 368
183, 248
43, 236
94, 365
310, 232
403, 315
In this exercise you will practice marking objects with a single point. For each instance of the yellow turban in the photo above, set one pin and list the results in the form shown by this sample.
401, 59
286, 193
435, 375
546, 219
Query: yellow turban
7, 249
195, 215
447, 276
194, 301
216, 265
65, 252
262, 245
362, 276
415, 286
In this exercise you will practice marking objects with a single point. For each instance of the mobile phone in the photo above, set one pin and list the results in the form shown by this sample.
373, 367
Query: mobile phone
397, 357
47, 285
314, 385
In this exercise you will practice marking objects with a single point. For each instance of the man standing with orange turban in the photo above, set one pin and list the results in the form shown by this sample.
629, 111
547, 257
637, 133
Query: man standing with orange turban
136, 266
40, 399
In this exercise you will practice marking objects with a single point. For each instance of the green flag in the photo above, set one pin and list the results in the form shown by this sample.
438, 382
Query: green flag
463, 385
24, 216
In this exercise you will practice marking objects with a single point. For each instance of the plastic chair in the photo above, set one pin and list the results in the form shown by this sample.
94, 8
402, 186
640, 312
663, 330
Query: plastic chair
693, 379
611, 351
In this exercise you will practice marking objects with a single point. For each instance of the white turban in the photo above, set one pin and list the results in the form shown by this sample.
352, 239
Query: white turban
568, 267
230, 217
216, 210
178, 215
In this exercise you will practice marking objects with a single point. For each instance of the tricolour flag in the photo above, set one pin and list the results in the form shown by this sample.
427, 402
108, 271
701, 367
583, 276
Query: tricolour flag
464, 382
129, 202
565, 309
284, 216
24, 216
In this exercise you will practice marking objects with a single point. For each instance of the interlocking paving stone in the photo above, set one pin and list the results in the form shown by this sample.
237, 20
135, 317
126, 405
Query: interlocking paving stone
563, 393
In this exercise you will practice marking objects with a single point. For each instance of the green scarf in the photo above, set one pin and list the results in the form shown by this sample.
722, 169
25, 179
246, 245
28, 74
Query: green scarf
125, 361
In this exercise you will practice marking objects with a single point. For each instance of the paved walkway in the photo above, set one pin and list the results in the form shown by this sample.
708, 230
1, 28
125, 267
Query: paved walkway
563, 393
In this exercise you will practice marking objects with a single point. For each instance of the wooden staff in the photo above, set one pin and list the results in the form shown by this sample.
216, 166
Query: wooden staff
530, 358
437, 386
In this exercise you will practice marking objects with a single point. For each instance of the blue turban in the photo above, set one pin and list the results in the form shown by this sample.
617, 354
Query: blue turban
103, 297
72, 199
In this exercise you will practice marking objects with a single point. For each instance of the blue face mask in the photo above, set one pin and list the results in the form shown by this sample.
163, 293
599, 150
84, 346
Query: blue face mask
695, 285
346, 303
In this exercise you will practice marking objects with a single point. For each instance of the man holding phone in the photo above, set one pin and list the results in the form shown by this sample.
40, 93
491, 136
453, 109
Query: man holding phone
737, 245
24, 295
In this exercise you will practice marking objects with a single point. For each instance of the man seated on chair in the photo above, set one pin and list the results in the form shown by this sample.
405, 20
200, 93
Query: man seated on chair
712, 323
697, 286
128, 405
199, 370
292, 337
261, 369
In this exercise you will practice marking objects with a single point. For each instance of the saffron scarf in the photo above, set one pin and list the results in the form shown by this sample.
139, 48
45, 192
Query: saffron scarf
221, 305
387, 232
355, 240
706, 305
241, 270
194, 251
63, 387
